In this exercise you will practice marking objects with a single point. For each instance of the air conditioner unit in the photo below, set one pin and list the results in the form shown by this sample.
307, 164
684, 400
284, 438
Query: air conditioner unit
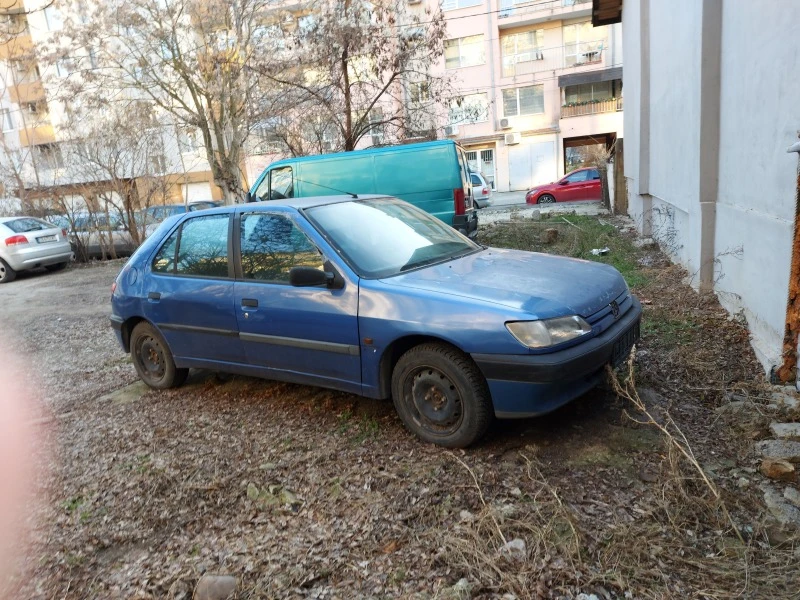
513, 138
505, 123
451, 130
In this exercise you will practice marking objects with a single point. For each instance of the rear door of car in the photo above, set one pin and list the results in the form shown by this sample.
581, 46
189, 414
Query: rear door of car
593, 186
304, 334
189, 293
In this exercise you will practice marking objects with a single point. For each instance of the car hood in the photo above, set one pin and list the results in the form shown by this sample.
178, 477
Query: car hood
540, 284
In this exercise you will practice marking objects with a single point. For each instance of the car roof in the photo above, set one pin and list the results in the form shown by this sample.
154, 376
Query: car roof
364, 151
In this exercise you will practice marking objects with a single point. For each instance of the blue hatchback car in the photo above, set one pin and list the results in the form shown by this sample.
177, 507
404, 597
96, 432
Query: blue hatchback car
373, 296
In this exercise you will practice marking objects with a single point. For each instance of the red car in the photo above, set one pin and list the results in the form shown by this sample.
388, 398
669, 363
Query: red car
581, 184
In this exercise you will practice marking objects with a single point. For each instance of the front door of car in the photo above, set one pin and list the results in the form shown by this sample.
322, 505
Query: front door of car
572, 187
189, 293
307, 334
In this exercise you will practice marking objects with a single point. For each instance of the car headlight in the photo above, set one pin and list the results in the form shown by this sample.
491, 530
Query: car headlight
548, 332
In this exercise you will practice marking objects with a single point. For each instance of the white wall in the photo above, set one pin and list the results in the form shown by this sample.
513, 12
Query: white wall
759, 117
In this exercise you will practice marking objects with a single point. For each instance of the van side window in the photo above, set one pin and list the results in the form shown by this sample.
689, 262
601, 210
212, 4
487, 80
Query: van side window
281, 184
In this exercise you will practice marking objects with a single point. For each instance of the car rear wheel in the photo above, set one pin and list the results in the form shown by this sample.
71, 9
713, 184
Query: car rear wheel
441, 395
56, 267
6, 273
546, 199
153, 360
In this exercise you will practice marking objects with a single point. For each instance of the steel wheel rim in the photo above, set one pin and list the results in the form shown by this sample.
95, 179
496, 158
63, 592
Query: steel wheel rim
151, 359
433, 400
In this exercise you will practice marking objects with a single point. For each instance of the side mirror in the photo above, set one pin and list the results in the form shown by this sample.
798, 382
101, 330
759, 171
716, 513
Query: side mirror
310, 277
248, 198
563, 182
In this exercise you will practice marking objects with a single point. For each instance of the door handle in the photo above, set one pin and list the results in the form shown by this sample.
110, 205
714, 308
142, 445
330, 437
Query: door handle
249, 303
154, 296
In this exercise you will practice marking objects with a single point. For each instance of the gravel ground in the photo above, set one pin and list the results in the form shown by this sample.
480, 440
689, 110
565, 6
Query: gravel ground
301, 492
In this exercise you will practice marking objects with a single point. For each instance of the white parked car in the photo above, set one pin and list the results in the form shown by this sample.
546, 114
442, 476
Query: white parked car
481, 190
28, 243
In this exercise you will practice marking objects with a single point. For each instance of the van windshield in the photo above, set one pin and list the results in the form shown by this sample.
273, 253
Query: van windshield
385, 236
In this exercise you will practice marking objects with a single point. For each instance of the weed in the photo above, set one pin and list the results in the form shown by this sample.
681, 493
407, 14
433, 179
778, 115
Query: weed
73, 504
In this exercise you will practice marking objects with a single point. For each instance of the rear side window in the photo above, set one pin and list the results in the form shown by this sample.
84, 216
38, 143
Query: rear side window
594, 174
27, 224
475, 179
271, 245
198, 248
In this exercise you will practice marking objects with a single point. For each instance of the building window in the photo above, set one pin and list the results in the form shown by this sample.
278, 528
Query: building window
24, 71
583, 44
8, 120
464, 52
63, 66
456, 4
473, 108
49, 156
187, 140
376, 128
521, 48
52, 18
419, 91
591, 92
523, 101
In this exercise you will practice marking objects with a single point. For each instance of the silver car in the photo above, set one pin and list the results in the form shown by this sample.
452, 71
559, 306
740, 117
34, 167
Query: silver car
28, 243
481, 190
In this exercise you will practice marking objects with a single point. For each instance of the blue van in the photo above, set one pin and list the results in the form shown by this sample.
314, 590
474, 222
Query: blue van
431, 175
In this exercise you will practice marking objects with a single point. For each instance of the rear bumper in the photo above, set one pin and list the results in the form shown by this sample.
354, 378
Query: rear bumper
532, 384
467, 224
40, 256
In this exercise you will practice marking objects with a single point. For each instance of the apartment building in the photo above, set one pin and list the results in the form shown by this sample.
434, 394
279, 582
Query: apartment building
541, 86
38, 161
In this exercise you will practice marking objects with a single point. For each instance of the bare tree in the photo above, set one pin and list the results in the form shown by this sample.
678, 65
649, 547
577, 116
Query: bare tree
189, 58
359, 68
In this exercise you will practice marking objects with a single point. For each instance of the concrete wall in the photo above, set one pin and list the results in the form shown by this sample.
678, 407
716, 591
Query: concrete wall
712, 101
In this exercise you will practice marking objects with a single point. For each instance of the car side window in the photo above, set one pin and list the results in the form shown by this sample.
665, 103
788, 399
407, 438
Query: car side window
579, 176
281, 184
594, 174
271, 245
164, 262
202, 248
475, 179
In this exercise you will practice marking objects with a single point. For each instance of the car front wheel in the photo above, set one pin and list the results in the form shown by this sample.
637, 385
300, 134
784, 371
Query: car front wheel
153, 360
546, 199
441, 395
7, 274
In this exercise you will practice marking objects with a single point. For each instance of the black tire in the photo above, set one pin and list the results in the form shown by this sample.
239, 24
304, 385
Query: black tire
7, 274
153, 359
546, 199
441, 395
57, 267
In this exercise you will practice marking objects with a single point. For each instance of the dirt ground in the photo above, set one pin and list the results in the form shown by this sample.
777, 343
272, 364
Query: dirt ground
301, 492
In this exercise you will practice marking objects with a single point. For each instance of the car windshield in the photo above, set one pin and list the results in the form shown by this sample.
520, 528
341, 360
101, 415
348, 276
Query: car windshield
385, 236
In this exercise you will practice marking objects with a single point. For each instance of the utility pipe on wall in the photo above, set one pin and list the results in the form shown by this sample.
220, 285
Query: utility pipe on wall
787, 372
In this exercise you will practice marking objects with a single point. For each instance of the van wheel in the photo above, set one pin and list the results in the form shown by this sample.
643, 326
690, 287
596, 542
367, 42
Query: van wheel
441, 395
153, 360
7, 274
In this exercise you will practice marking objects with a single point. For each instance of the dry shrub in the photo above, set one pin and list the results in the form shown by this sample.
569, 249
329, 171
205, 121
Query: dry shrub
683, 540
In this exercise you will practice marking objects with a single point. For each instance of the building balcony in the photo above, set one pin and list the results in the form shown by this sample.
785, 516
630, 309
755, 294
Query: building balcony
19, 45
591, 108
33, 136
585, 54
514, 13
24, 93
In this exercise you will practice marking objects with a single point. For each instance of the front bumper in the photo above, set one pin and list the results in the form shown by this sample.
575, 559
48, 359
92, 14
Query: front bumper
533, 384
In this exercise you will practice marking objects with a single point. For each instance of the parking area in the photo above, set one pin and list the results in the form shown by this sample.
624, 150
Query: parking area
302, 492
